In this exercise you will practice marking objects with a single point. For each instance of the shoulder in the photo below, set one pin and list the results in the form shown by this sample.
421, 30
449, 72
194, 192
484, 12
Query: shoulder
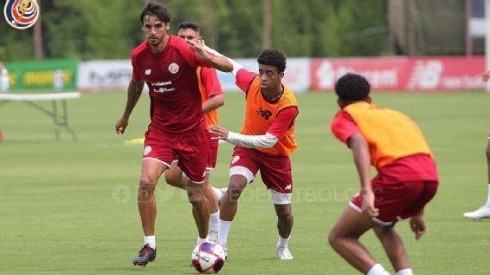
143, 46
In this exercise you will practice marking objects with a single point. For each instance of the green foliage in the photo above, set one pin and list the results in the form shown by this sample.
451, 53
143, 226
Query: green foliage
111, 29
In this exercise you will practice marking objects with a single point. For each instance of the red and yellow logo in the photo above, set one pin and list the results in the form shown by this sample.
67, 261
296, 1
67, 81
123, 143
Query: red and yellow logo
21, 14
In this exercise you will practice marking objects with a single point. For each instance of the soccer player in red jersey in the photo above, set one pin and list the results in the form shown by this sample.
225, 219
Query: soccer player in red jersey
265, 143
407, 177
167, 64
484, 211
212, 98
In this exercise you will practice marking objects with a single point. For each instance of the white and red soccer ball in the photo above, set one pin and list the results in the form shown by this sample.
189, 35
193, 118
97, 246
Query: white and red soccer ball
208, 257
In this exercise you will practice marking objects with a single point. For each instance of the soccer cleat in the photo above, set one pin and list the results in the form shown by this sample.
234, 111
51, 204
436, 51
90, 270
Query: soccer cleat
283, 253
481, 213
146, 254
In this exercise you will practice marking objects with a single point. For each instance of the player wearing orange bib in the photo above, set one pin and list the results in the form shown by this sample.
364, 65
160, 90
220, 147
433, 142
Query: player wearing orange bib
406, 181
265, 143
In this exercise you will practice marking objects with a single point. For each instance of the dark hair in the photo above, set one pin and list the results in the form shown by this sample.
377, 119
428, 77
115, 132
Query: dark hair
274, 58
157, 9
352, 87
189, 25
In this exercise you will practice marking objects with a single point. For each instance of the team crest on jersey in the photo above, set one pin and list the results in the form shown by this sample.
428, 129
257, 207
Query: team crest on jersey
173, 68
21, 14
264, 113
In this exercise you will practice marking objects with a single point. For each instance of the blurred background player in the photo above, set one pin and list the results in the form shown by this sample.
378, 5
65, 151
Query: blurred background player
212, 98
484, 211
177, 128
265, 143
406, 181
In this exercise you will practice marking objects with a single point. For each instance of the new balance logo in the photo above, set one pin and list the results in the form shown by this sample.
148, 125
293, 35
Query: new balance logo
264, 113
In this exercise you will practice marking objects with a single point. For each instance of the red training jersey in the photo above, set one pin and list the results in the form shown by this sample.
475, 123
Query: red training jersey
176, 106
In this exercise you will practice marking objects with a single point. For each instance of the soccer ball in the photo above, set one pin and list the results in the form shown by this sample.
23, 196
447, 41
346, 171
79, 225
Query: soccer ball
208, 257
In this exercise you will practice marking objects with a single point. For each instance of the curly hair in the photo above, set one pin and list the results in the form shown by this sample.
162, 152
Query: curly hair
352, 87
274, 58
157, 9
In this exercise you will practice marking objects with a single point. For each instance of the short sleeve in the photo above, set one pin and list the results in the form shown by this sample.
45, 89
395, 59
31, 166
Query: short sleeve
343, 126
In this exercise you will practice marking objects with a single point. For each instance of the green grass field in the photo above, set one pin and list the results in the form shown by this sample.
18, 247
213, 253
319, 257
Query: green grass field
70, 207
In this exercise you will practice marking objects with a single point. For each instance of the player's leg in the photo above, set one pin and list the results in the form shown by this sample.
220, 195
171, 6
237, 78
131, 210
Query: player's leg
200, 207
484, 211
344, 239
150, 172
209, 192
173, 176
394, 247
276, 175
193, 157
213, 209
284, 227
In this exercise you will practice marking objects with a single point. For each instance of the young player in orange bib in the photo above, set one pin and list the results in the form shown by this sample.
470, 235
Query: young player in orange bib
407, 177
265, 143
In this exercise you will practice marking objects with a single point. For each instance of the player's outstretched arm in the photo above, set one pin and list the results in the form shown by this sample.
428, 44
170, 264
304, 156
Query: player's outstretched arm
249, 141
210, 56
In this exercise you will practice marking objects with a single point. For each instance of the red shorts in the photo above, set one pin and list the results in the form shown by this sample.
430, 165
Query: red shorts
398, 200
274, 170
212, 153
191, 150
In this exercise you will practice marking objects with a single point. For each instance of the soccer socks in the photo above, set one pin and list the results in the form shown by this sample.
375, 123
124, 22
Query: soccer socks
150, 240
214, 221
281, 242
488, 196
218, 193
406, 271
377, 269
223, 230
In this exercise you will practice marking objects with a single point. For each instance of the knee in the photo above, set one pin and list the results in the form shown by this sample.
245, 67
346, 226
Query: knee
285, 215
333, 238
195, 194
234, 191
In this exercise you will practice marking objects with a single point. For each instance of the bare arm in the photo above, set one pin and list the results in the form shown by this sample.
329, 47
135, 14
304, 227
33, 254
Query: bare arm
360, 150
417, 224
135, 88
210, 56
214, 102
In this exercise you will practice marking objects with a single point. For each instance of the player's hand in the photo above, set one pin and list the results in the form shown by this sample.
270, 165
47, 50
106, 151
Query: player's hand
121, 125
199, 48
417, 224
368, 203
220, 132
485, 76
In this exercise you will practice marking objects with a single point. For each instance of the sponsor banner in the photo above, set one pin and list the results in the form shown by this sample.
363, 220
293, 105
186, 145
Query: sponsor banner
55, 75
402, 73
382, 73
104, 75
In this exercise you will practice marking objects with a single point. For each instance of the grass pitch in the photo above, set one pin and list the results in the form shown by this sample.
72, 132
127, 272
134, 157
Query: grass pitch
70, 207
